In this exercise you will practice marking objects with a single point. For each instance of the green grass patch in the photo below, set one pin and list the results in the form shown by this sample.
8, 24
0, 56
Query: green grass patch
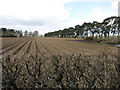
105, 44
109, 45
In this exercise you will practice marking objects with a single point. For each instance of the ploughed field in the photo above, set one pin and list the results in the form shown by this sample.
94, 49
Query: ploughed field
58, 63
26, 46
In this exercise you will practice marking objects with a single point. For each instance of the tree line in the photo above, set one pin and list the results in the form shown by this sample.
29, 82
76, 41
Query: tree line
17, 33
108, 27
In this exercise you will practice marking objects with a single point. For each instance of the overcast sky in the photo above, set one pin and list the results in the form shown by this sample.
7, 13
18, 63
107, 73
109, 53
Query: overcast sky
51, 15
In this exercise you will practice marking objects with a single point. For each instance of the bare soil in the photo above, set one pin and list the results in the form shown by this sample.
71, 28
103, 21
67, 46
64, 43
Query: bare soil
58, 63
23, 46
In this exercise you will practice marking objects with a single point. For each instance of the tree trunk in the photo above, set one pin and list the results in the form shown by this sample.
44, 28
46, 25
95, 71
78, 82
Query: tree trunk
105, 35
92, 34
108, 35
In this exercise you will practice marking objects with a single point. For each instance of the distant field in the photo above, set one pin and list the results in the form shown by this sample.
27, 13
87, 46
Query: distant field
23, 46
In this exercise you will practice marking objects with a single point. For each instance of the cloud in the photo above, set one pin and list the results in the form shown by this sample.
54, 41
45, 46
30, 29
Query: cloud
33, 8
43, 25
9, 20
97, 14
45, 15
36, 14
89, 0
115, 4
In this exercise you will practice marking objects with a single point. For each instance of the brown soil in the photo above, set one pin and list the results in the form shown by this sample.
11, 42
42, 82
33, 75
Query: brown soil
91, 39
95, 40
24, 46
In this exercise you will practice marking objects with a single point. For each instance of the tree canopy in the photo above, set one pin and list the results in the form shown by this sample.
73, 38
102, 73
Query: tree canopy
17, 33
109, 26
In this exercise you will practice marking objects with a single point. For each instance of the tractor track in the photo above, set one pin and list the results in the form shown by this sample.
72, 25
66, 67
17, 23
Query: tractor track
22, 48
11, 47
17, 48
28, 48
